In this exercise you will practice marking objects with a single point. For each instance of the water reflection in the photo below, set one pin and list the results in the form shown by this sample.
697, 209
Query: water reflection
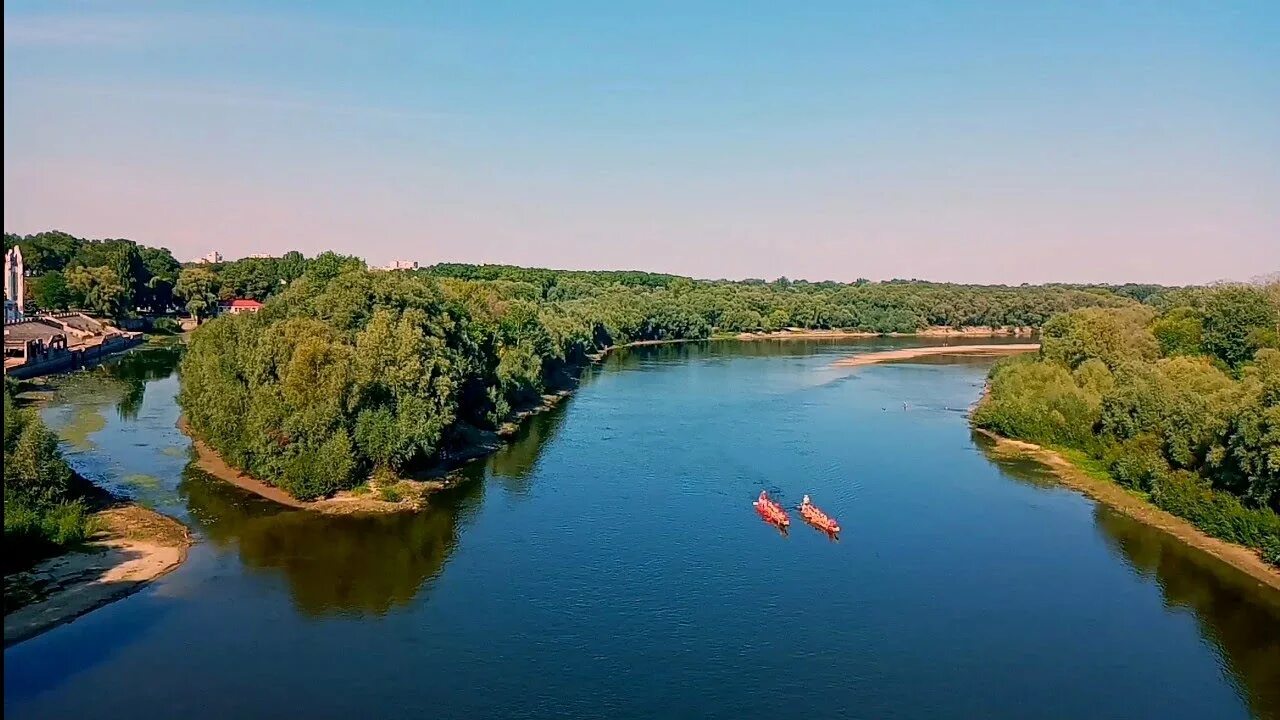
513, 463
135, 370
356, 564
365, 564
1230, 609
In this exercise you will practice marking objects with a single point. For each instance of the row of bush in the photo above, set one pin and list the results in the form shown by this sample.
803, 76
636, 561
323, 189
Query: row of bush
42, 511
1180, 402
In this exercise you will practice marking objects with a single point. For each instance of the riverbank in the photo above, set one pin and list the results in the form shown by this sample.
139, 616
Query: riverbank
134, 546
1111, 494
392, 496
910, 353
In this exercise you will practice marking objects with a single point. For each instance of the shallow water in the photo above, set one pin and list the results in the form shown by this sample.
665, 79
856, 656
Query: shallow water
608, 564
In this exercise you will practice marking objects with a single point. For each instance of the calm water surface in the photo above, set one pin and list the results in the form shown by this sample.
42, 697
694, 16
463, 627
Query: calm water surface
609, 564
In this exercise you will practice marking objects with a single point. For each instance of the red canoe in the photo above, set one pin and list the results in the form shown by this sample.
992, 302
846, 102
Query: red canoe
771, 511
817, 518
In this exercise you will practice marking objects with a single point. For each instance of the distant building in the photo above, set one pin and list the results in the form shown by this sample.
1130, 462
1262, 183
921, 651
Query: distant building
15, 285
402, 265
213, 257
240, 305
57, 342
32, 341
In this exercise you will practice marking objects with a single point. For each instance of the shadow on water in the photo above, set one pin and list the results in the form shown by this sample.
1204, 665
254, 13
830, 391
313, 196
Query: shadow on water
356, 564
61, 655
364, 564
514, 462
1230, 611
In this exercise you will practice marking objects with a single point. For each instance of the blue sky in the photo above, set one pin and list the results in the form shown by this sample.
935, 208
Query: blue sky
986, 142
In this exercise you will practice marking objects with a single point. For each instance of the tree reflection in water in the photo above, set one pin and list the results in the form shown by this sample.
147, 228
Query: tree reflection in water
361, 564
514, 462
134, 370
1230, 610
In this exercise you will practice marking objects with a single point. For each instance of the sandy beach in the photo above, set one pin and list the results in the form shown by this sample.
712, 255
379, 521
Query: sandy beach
134, 547
909, 353
343, 503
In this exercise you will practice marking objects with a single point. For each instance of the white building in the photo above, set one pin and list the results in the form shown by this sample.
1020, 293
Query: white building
402, 265
213, 257
15, 285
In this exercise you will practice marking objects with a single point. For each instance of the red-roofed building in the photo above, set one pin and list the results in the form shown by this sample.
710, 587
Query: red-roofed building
240, 305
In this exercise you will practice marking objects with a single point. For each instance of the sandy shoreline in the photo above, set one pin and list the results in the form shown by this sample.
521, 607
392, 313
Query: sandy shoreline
136, 546
1116, 497
941, 331
909, 353
343, 503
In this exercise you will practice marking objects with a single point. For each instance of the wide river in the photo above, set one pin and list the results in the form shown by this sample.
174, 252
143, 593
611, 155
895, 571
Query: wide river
608, 564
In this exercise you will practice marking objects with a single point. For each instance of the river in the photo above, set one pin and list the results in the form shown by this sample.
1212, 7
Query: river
608, 564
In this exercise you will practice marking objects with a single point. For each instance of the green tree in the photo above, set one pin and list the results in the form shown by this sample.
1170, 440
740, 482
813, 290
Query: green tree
1238, 321
196, 287
41, 512
161, 275
50, 291
45, 251
1180, 332
1205, 444
99, 290
1112, 336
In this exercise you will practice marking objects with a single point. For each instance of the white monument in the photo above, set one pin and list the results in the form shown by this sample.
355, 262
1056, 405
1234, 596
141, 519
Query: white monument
15, 285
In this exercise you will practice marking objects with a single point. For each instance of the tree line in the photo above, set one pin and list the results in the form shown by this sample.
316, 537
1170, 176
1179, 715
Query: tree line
116, 278
1178, 399
111, 277
348, 372
119, 278
757, 305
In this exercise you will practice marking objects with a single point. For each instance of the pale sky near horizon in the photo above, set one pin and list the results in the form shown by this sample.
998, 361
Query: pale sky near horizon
973, 142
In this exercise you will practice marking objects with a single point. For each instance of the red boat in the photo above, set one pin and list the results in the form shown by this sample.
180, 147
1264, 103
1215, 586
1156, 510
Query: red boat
817, 518
771, 511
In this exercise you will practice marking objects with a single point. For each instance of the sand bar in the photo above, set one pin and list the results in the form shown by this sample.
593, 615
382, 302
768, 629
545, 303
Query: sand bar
135, 546
909, 353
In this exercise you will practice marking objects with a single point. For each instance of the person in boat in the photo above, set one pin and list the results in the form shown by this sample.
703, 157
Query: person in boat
805, 502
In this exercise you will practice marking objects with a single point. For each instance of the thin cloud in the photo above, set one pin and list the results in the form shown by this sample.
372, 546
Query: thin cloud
240, 100
135, 30
76, 31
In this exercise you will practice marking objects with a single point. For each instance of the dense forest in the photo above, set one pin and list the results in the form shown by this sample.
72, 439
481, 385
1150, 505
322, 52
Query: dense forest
42, 511
348, 372
1178, 400
750, 305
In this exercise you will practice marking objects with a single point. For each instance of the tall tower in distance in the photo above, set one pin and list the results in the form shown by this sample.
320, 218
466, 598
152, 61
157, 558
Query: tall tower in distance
15, 285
